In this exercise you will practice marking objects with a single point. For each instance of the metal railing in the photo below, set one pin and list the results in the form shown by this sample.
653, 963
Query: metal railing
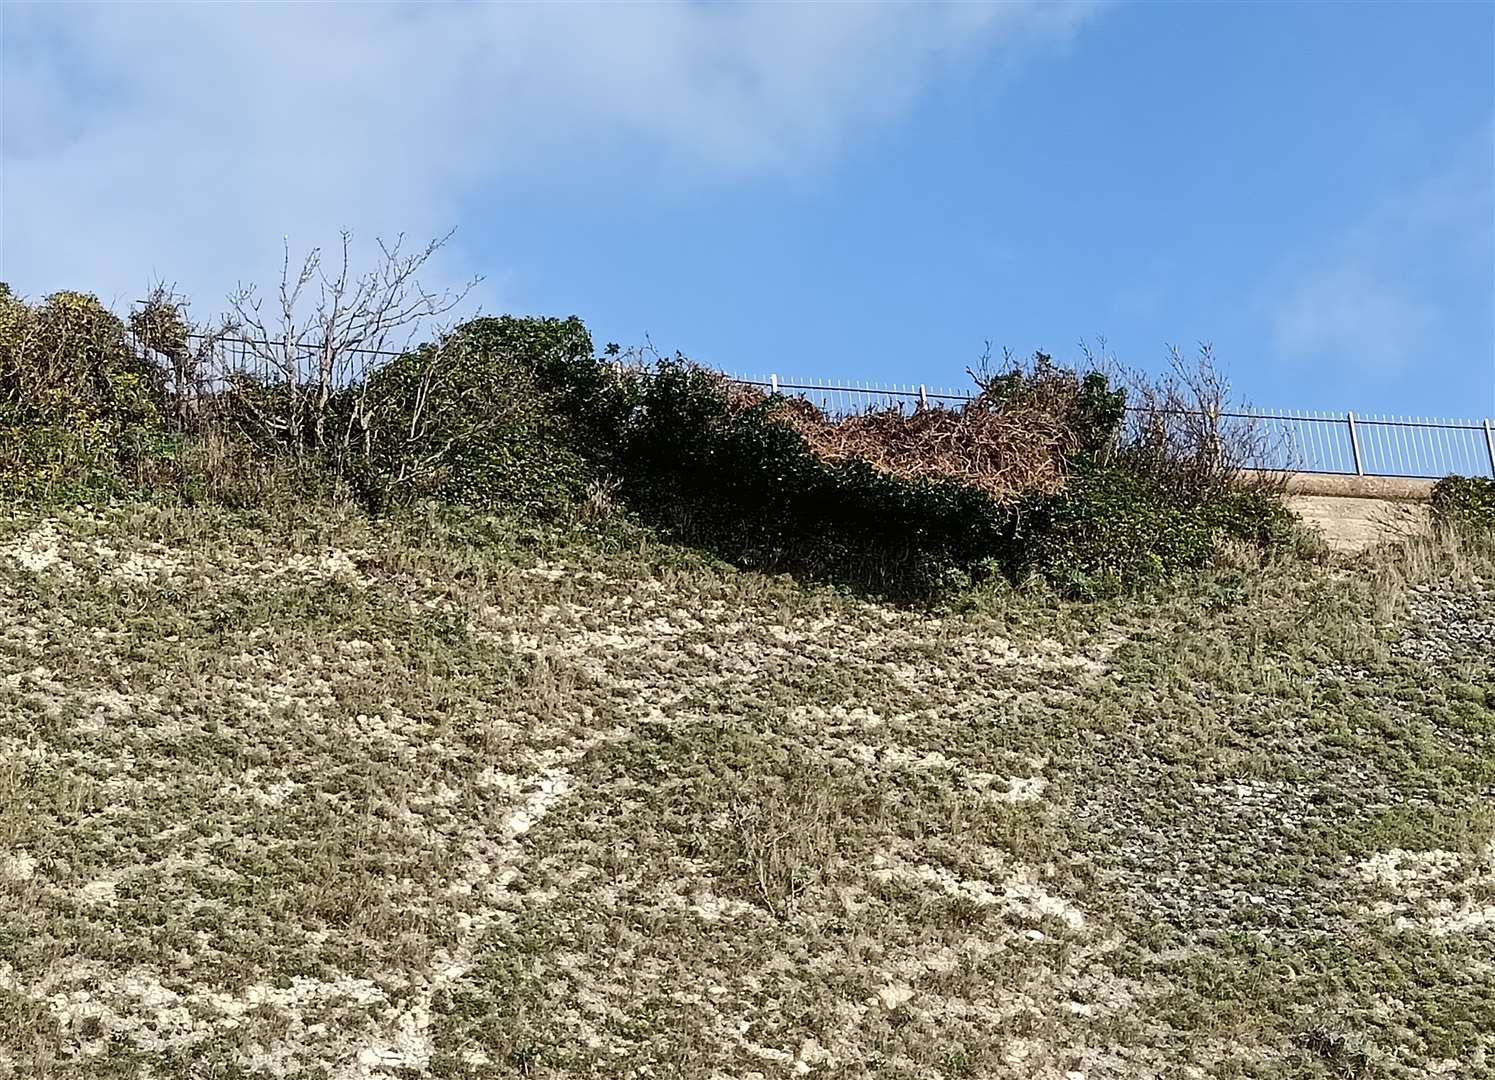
1376, 445
1313, 442
852, 397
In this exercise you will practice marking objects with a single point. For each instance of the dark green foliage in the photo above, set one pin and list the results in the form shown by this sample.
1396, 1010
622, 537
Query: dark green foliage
80, 411
1465, 501
479, 418
738, 482
594, 402
1114, 529
747, 487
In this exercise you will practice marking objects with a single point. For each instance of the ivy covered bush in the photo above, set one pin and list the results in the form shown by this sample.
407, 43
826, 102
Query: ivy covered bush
469, 419
78, 407
749, 488
1465, 501
1113, 529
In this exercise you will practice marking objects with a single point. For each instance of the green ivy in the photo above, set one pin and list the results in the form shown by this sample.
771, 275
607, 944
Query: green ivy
749, 488
79, 408
489, 428
1465, 501
1112, 529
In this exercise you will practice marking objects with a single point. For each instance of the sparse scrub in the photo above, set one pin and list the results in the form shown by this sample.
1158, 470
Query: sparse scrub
786, 840
444, 794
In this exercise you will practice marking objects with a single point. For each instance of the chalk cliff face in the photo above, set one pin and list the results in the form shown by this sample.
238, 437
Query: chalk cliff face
308, 792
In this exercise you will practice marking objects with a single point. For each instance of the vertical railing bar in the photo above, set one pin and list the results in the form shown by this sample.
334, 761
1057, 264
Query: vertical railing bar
1449, 454
1401, 441
1370, 444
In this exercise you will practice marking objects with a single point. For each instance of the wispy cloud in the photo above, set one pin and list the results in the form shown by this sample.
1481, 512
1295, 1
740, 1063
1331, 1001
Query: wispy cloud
1372, 297
184, 141
1350, 307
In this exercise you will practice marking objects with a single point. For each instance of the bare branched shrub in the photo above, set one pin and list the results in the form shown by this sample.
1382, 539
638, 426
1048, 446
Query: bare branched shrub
600, 500
1004, 452
1187, 432
310, 356
1017, 436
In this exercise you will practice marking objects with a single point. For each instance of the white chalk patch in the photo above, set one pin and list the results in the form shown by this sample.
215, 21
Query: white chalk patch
38, 551
17, 866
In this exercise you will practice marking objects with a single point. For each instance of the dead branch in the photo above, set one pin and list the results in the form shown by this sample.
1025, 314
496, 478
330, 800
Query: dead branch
316, 354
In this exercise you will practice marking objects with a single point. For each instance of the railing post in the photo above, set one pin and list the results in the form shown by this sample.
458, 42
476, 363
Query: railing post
773, 382
1355, 445
1490, 446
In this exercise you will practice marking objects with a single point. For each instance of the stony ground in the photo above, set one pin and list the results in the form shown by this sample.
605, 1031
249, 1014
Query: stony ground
436, 799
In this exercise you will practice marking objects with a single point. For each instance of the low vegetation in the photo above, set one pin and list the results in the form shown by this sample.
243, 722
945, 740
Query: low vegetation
439, 795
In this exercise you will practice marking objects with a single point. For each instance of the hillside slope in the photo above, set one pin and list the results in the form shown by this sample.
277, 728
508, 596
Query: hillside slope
301, 798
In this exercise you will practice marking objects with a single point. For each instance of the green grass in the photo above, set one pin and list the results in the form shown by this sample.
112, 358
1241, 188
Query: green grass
318, 797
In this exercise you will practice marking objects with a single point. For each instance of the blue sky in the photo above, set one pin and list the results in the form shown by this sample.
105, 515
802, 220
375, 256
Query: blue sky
844, 192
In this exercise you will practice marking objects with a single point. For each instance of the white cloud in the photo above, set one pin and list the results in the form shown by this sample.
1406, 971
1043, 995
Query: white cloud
1370, 299
1350, 307
184, 141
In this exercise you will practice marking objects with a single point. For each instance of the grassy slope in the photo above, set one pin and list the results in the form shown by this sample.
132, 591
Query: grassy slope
325, 799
